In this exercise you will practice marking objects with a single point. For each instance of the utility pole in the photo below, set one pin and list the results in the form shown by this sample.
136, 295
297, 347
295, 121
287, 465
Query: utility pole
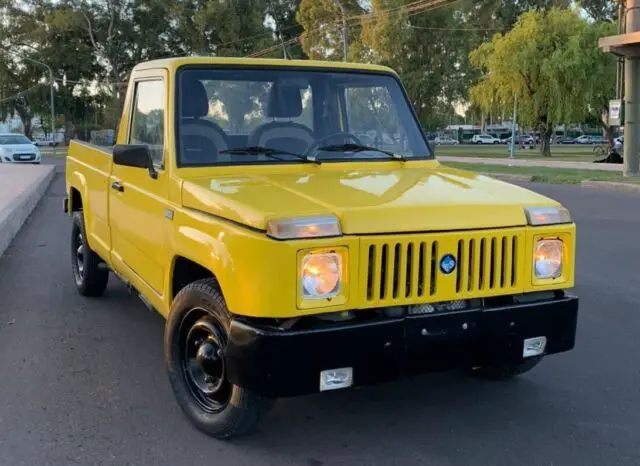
512, 150
631, 95
345, 38
620, 61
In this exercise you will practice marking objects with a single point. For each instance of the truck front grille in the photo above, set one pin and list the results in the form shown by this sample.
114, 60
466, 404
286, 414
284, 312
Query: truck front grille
406, 269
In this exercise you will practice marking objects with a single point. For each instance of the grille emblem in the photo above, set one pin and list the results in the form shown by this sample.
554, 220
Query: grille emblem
447, 264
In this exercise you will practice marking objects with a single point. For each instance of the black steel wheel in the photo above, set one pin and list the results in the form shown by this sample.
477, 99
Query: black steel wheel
203, 341
90, 279
505, 371
196, 335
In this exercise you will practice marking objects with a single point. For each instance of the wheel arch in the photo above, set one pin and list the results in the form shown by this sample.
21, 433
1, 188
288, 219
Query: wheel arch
75, 200
184, 271
77, 192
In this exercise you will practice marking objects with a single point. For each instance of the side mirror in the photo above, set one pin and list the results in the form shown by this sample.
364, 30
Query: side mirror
134, 155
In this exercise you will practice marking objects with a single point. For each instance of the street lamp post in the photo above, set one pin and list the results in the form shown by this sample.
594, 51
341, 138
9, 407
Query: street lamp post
53, 112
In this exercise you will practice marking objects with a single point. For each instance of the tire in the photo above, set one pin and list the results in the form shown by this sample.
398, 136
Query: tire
90, 279
505, 371
227, 410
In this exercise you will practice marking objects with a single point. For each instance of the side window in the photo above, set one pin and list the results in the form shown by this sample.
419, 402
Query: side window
147, 121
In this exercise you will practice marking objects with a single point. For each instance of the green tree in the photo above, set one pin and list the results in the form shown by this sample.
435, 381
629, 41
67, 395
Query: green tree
224, 28
323, 27
600, 10
595, 71
542, 61
503, 14
287, 27
426, 49
124, 32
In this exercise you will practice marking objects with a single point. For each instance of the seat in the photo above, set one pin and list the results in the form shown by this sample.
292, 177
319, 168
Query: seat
284, 102
201, 140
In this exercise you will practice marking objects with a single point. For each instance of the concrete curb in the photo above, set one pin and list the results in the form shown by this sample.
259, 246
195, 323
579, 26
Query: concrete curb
587, 183
612, 185
535, 163
13, 216
508, 177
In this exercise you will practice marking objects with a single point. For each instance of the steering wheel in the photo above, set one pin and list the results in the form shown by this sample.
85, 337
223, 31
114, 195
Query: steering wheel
344, 134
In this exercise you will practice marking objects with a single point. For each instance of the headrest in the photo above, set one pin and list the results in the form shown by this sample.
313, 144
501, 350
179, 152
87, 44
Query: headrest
195, 103
284, 102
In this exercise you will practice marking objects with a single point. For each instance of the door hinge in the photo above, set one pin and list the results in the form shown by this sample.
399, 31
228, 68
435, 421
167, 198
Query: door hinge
168, 214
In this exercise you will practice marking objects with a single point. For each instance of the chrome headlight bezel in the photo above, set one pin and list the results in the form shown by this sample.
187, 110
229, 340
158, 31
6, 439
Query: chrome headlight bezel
549, 215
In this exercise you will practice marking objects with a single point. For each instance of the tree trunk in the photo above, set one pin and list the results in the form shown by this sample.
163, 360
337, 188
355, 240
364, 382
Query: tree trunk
546, 131
608, 130
25, 118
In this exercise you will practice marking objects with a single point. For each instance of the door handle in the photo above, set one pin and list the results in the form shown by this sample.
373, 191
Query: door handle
117, 186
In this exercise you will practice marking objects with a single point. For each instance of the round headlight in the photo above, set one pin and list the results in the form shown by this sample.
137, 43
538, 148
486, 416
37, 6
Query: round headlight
321, 275
548, 258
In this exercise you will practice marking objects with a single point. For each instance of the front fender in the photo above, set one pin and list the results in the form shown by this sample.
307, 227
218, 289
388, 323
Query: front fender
257, 275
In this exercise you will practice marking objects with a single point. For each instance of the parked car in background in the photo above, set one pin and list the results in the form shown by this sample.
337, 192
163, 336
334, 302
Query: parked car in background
17, 148
44, 142
484, 139
522, 140
583, 139
445, 141
565, 140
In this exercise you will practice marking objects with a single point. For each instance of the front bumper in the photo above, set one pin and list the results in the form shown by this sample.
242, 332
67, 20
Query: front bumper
281, 363
31, 159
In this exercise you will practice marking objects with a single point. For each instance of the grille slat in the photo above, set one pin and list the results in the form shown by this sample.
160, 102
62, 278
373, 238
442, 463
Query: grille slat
486, 263
402, 270
414, 262
377, 278
400, 288
425, 270
496, 262
433, 285
391, 268
462, 273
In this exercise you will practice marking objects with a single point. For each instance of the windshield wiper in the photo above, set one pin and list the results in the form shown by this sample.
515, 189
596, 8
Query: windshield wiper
267, 151
360, 148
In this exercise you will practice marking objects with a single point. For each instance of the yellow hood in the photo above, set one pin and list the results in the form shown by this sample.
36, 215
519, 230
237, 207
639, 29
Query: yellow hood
391, 197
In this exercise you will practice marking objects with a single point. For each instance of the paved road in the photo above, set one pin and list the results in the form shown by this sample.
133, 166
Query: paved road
83, 382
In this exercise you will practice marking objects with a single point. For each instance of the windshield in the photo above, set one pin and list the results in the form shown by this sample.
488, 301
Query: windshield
240, 116
13, 139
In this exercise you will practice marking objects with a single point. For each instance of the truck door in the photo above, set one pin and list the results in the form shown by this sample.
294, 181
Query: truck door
137, 201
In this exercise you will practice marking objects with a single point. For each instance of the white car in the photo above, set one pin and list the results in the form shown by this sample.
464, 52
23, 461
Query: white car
445, 141
44, 142
583, 140
484, 139
17, 148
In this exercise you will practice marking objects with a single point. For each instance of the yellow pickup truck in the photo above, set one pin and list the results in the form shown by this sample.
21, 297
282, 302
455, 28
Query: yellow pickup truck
290, 222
